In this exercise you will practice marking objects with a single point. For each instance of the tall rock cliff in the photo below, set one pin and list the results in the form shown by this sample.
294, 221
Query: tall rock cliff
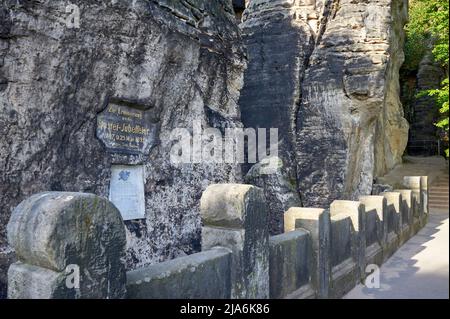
176, 61
325, 72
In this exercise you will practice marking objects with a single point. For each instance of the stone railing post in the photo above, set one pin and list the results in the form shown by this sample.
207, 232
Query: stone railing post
235, 216
68, 245
414, 183
356, 211
424, 198
394, 222
317, 222
376, 206
407, 206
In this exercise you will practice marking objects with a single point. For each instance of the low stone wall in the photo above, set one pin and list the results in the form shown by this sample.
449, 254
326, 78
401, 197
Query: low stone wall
406, 214
290, 266
394, 223
419, 189
347, 246
323, 253
204, 275
376, 228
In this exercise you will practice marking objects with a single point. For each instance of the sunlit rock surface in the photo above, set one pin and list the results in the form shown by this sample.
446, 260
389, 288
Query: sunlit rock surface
326, 74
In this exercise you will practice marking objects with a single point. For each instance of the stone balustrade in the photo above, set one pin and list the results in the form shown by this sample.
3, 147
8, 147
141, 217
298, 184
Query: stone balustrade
72, 245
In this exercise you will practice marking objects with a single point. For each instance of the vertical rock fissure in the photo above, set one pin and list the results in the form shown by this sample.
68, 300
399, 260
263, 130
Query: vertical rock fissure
330, 9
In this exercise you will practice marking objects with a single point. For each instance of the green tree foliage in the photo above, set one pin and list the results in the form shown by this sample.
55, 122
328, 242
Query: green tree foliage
428, 28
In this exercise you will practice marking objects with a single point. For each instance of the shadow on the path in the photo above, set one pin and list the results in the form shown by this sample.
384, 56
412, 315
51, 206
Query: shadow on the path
400, 276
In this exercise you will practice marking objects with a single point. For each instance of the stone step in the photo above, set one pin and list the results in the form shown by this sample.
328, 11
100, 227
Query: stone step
438, 197
441, 181
439, 194
438, 203
440, 184
439, 190
438, 200
439, 187
439, 207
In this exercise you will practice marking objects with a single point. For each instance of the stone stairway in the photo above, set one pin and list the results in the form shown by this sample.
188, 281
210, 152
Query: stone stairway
439, 194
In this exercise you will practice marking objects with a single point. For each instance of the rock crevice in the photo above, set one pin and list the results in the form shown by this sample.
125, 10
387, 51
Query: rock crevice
330, 69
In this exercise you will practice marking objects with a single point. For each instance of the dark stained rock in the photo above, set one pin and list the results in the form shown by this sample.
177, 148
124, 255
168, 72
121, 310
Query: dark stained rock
177, 60
279, 191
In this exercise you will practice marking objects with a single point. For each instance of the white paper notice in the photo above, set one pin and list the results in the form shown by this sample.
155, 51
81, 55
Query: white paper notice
126, 190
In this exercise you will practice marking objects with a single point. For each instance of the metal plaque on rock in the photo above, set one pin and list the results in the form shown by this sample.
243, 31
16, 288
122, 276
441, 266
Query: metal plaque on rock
124, 129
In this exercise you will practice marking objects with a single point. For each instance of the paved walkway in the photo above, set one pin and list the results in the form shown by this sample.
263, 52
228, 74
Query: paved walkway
419, 269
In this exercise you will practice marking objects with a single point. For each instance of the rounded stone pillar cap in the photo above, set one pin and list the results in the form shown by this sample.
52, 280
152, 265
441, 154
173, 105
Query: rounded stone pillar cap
226, 205
54, 229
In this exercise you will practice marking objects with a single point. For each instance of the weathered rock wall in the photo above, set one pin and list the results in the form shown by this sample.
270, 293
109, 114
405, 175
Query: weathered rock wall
181, 60
329, 82
423, 110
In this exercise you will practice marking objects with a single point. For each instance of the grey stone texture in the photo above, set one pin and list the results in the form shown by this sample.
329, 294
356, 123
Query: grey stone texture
50, 232
179, 61
419, 187
290, 265
317, 222
204, 275
406, 214
425, 185
393, 221
280, 192
414, 183
347, 246
235, 216
326, 73
376, 228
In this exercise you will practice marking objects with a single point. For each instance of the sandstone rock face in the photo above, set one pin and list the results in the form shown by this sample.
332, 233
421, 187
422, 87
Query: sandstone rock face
179, 61
330, 80
279, 191
278, 46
